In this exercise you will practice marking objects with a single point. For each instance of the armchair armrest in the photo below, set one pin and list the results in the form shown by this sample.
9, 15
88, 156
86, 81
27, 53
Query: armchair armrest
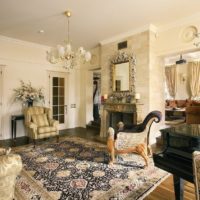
31, 125
53, 122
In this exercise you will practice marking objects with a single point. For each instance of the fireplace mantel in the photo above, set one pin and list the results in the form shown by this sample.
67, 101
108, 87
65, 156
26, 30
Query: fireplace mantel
109, 108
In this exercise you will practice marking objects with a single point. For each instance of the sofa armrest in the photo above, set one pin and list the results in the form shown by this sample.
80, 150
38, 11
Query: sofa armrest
31, 125
10, 164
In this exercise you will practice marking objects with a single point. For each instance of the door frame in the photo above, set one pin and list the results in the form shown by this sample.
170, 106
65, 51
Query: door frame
65, 75
2, 68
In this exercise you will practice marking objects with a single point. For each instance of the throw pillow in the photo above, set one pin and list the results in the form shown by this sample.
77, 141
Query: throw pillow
40, 120
181, 103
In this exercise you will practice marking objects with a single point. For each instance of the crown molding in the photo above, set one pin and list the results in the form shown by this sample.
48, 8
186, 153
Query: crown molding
180, 22
149, 27
23, 43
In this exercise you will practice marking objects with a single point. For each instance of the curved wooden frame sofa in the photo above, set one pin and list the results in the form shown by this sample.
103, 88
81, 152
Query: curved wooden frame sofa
132, 139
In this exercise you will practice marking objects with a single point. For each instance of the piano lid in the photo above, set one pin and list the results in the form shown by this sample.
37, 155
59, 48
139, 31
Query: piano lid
190, 130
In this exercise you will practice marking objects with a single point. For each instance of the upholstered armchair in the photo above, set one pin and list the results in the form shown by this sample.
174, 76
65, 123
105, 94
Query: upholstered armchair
10, 167
196, 172
132, 138
40, 124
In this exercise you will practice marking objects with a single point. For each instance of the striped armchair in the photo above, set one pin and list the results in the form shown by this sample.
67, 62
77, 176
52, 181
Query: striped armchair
40, 124
196, 172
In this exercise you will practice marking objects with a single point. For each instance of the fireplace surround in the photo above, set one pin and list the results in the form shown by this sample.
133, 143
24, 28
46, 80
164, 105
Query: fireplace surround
112, 113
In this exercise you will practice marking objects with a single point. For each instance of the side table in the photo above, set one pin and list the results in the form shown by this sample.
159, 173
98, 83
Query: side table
14, 119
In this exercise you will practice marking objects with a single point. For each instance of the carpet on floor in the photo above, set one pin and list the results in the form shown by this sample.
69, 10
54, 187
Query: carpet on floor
77, 169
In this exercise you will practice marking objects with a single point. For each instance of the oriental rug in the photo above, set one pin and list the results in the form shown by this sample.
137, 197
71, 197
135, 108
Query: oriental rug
77, 169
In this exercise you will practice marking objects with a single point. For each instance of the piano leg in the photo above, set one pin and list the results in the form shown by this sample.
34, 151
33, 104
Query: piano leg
178, 187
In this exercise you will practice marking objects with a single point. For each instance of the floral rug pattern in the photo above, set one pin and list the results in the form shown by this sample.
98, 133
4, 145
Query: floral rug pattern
77, 169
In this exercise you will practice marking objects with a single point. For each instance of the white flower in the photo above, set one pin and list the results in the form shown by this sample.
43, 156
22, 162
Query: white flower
27, 93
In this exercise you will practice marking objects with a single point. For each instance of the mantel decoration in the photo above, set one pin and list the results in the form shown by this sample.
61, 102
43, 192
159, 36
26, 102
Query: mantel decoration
27, 94
65, 55
122, 57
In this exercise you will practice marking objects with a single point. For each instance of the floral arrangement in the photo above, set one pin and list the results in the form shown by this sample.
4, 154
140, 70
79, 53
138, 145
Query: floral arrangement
27, 93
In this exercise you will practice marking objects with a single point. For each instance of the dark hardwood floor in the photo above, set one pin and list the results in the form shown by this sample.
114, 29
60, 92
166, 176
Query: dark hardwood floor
164, 191
90, 134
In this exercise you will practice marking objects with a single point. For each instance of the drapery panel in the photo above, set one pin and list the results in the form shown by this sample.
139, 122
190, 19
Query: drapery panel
194, 81
171, 80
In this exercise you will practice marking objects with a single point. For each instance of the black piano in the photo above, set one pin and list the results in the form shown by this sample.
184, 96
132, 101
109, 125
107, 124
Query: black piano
176, 158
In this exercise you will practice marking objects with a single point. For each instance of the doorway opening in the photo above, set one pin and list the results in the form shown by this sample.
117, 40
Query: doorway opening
178, 95
96, 101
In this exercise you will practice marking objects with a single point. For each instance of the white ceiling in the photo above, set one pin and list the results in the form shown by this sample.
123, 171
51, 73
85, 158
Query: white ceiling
92, 20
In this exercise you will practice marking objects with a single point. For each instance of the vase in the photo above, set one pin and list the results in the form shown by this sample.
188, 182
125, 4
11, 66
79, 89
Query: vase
30, 103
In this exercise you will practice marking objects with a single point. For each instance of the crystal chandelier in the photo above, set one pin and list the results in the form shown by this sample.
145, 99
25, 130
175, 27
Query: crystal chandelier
65, 55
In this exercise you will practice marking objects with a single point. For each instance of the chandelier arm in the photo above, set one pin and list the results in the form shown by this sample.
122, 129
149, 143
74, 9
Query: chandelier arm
68, 30
65, 55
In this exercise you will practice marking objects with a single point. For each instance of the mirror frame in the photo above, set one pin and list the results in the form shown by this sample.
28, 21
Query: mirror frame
123, 57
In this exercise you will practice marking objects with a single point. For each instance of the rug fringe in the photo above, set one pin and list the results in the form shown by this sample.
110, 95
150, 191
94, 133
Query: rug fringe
154, 187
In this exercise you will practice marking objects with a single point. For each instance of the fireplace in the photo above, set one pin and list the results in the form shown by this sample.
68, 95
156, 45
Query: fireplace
115, 117
129, 113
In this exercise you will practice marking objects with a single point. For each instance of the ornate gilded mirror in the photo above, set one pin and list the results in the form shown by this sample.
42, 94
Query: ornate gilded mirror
123, 74
121, 77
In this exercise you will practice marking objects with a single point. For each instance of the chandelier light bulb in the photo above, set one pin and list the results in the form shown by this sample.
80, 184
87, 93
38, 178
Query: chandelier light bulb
88, 56
68, 48
61, 50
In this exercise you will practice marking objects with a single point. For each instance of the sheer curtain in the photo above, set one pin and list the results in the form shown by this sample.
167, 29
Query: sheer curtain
194, 81
171, 80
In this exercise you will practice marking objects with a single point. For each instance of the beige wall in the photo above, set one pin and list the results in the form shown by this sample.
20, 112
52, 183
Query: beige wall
149, 72
137, 44
27, 62
86, 86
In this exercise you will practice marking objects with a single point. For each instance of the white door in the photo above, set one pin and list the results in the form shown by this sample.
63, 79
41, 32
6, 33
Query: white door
58, 97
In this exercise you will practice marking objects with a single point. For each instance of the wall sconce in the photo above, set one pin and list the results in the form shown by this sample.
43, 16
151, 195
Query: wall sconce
137, 96
182, 77
197, 37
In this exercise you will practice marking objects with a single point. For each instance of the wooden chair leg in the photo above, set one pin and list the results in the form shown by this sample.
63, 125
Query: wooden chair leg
142, 151
145, 157
149, 151
34, 142
57, 138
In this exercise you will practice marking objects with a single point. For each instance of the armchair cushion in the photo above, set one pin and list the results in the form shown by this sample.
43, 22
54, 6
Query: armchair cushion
40, 120
46, 129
